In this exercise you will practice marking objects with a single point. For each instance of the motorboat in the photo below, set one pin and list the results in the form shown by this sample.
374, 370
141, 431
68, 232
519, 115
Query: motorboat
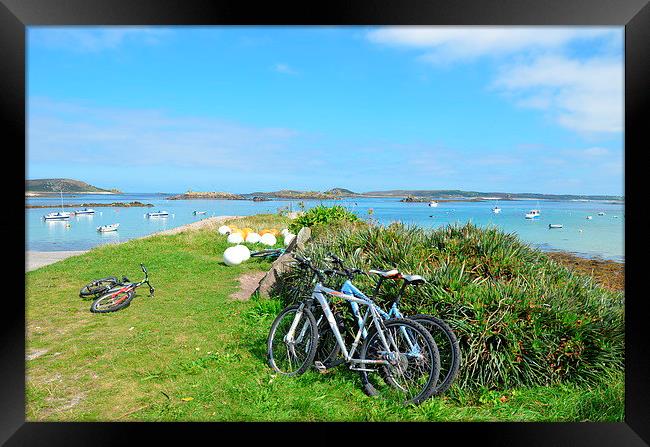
85, 211
198, 213
533, 214
107, 228
433, 204
555, 226
496, 210
158, 214
602, 213
589, 217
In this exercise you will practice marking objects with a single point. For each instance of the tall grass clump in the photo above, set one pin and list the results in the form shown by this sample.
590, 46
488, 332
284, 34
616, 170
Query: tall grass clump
521, 318
322, 215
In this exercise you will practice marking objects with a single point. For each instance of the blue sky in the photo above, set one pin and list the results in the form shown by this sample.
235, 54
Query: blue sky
517, 109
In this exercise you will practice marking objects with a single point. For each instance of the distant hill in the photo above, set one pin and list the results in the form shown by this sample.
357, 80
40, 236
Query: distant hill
62, 184
341, 192
458, 194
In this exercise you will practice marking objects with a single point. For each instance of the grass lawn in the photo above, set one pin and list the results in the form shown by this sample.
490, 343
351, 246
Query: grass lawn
192, 353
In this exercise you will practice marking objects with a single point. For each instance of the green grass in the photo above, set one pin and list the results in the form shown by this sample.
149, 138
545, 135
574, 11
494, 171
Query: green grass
192, 353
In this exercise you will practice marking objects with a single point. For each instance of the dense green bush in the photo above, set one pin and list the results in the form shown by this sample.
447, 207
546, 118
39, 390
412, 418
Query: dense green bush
320, 215
521, 318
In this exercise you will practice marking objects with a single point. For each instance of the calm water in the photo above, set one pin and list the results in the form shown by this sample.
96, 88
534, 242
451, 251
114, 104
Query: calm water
603, 236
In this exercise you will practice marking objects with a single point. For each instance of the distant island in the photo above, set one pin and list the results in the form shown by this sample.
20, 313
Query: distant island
406, 195
48, 186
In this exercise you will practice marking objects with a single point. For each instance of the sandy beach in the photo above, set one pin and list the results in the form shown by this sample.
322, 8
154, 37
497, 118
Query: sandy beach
38, 259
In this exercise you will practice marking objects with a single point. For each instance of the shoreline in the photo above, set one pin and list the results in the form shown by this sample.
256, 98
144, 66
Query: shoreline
608, 273
36, 259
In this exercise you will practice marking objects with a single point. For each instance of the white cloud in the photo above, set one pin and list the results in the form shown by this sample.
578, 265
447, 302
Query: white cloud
77, 133
581, 93
83, 39
448, 44
284, 68
585, 96
595, 152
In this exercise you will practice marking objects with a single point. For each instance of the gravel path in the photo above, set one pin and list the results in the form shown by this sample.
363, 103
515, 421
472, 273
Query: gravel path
38, 259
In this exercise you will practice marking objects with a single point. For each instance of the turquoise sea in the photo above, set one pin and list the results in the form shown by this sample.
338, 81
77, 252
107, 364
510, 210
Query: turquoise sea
602, 236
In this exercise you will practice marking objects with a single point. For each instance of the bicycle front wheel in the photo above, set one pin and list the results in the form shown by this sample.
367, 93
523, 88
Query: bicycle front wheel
292, 354
112, 301
413, 364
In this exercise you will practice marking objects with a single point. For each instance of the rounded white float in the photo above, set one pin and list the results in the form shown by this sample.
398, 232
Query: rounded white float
288, 238
224, 229
244, 252
268, 239
233, 256
253, 237
235, 238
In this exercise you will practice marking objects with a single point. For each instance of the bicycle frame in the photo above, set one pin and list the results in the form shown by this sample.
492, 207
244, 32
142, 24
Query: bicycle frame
319, 294
350, 289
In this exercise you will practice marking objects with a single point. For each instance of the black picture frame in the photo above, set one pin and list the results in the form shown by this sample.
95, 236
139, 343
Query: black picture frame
16, 15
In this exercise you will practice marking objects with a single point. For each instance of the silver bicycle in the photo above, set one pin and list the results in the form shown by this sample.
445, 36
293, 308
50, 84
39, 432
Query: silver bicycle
398, 359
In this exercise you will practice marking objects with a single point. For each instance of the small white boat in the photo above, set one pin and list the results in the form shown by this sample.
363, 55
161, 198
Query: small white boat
602, 213
158, 214
555, 226
433, 204
589, 217
496, 210
85, 211
106, 228
198, 213
533, 214
59, 215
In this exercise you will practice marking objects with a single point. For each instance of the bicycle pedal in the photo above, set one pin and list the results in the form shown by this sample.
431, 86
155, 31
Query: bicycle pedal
320, 367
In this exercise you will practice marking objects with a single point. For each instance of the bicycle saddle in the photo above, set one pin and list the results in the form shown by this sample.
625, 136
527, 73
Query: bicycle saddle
413, 279
394, 273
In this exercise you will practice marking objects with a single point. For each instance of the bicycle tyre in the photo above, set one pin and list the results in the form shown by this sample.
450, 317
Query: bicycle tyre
122, 302
448, 349
274, 350
387, 373
328, 348
98, 287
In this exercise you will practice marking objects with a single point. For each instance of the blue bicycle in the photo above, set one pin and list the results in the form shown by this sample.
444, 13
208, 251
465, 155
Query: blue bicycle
328, 354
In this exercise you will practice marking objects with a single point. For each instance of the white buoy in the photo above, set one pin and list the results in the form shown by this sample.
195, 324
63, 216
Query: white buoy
268, 239
235, 238
224, 229
288, 238
253, 237
233, 256
244, 252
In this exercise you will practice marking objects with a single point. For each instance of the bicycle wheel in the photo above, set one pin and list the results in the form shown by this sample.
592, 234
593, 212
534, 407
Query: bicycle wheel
328, 348
97, 287
295, 357
414, 367
112, 301
448, 349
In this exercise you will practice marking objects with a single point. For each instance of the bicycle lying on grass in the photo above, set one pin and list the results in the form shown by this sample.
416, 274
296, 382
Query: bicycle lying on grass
269, 253
446, 341
397, 360
119, 295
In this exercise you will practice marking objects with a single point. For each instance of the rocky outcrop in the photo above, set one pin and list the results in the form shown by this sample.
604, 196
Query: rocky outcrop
282, 264
207, 195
